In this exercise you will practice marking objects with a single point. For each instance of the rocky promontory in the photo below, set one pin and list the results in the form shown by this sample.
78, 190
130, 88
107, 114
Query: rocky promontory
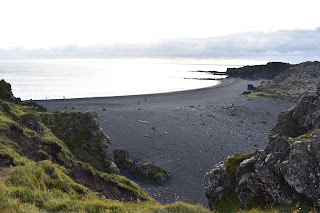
268, 71
287, 171
293, 83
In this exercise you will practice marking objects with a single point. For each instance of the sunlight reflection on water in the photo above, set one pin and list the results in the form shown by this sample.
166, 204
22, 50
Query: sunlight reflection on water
55, 80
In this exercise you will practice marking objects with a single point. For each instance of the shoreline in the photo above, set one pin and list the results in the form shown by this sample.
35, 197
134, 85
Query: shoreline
222, 83
187, 133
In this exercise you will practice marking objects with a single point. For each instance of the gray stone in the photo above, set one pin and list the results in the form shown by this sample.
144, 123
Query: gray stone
286, 171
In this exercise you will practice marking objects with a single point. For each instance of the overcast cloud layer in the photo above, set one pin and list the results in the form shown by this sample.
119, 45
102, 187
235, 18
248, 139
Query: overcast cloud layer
290, 46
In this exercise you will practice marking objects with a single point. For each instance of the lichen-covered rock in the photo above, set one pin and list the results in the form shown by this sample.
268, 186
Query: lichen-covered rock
286, 171
301, 169
148, 171
217, 184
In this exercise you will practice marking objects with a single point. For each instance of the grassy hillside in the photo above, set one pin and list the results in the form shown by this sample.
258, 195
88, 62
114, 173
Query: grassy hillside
63, 162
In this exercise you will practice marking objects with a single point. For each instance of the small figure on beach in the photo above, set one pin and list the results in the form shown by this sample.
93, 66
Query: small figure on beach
138, 101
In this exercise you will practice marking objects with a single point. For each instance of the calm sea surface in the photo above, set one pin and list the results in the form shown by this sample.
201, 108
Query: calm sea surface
58, 79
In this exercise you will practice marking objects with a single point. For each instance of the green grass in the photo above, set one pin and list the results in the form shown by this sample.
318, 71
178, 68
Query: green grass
306, 137
5, 121
259, 94
233, 205
43, 175
9, 156
31, 189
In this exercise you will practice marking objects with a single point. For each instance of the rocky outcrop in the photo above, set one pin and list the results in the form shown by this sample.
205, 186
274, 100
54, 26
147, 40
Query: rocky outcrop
147, 171
84, 137
286, 171
268, 71
293, 83
6, 93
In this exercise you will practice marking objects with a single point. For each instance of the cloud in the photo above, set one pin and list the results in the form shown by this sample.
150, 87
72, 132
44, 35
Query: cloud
291, 46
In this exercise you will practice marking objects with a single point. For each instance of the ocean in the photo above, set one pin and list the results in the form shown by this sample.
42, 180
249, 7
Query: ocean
58, 79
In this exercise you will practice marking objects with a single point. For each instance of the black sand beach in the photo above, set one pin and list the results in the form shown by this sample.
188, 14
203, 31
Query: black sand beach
184, 132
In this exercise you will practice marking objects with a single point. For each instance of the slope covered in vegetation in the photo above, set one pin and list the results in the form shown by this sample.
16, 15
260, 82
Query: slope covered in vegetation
63, 162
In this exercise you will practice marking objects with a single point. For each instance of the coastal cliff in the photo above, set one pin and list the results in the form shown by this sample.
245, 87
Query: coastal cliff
286, 172
268, 71
63, 162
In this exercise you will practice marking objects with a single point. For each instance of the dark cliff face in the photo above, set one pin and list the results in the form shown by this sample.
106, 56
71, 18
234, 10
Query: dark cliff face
268, 71
286, 171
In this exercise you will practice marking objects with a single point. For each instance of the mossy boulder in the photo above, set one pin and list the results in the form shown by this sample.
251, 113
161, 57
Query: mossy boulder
221, 180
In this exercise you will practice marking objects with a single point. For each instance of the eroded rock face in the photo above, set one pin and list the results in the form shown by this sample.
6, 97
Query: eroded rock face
286, 171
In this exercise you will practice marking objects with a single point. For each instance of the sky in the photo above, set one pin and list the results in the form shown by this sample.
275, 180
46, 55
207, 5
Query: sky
277, 30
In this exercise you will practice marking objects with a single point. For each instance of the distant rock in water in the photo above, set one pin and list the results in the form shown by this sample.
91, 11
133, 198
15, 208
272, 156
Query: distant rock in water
293, 83
268, 71
287, 171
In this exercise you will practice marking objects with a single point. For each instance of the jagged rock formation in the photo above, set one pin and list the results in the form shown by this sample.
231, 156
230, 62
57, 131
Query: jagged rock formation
286, 171
268, 71
6, 94
293, 83
148, 171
